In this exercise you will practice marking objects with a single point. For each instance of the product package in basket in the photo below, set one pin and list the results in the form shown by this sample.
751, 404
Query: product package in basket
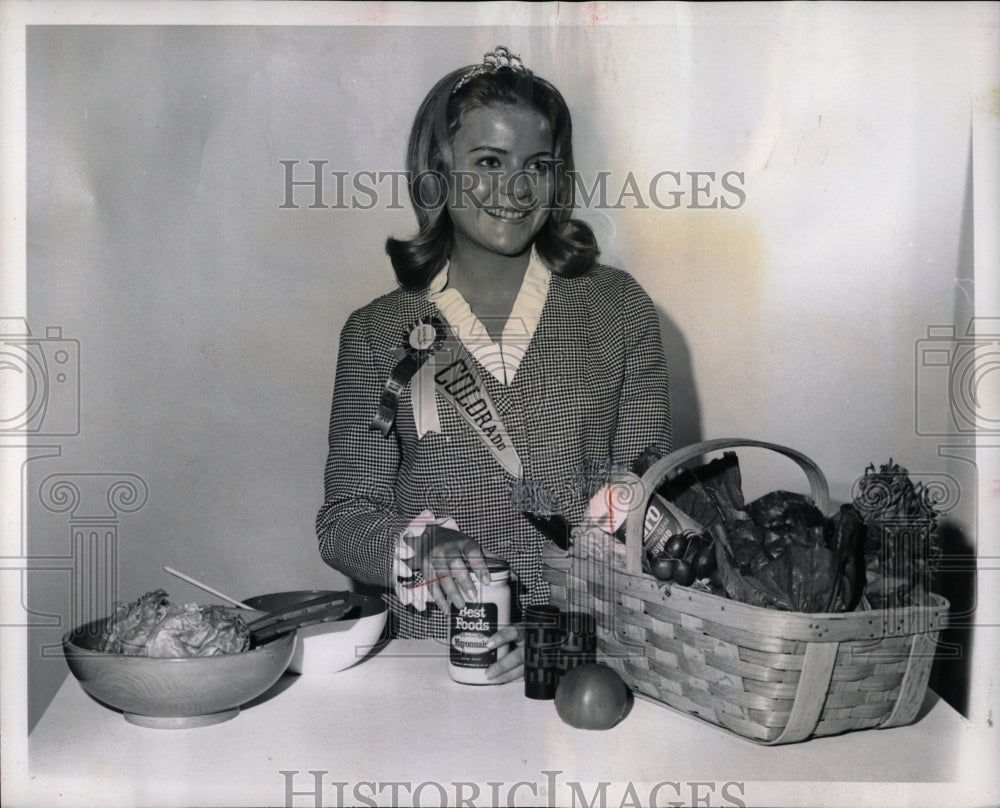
770, 675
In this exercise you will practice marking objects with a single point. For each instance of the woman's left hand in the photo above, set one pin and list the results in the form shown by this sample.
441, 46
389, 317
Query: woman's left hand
510, 667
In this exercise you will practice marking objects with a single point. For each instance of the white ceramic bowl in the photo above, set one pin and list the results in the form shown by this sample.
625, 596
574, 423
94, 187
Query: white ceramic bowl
330, 647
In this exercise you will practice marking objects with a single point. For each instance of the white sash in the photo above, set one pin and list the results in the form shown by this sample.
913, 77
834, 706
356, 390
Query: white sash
431, 363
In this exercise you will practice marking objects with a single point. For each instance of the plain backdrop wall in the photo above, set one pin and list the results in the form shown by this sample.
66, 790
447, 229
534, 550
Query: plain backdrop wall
207, 315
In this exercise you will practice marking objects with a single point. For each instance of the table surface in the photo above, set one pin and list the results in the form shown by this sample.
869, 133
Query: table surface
397, 718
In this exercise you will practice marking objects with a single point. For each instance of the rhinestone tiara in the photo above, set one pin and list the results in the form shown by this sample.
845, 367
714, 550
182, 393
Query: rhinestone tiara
493, 61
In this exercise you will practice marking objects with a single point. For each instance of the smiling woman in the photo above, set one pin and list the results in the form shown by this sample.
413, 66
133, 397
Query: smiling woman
508, 360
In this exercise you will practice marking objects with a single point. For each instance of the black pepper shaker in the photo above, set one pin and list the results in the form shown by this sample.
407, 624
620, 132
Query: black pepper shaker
542, 641
579, 641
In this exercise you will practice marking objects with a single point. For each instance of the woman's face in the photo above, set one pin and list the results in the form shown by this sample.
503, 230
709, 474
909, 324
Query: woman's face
504, 179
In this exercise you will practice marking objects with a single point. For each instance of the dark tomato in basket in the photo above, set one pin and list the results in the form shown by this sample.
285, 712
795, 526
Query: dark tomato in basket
704, 563
676, 546
684, 573
663, 567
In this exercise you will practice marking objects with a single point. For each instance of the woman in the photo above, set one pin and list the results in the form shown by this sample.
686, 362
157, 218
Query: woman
509, 372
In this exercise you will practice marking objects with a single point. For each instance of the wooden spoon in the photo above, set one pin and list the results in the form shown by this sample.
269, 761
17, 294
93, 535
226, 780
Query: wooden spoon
209, 589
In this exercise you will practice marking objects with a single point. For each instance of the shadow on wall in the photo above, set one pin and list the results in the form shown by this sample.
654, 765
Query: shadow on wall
955, 580
956, 577
685, 406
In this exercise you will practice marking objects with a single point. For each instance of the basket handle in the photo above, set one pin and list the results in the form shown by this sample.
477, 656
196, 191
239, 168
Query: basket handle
659, 471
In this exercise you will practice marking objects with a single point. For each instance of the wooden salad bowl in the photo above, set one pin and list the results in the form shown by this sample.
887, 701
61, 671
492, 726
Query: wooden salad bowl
174, 692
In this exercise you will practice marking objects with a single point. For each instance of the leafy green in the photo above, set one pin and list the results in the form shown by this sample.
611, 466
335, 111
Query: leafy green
901, 549
152, 626
780, 551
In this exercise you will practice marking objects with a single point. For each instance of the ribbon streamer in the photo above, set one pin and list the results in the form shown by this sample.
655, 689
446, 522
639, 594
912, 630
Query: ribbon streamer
424, 339
425, 411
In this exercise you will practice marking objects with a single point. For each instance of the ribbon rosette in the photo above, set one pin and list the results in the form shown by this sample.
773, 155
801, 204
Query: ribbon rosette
420, 343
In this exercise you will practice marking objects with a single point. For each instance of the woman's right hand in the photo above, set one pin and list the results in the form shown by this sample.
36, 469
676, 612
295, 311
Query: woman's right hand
451, 563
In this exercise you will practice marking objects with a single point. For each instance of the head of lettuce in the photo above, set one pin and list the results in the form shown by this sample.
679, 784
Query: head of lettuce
152, 626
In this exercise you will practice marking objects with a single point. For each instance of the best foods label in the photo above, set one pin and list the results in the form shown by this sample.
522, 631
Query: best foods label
471, 627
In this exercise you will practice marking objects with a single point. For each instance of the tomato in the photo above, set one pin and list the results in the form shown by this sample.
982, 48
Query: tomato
684, 573
592, 696
676, 546
663, 567
704, 563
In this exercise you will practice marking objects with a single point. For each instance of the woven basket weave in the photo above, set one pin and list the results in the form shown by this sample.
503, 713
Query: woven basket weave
770, 676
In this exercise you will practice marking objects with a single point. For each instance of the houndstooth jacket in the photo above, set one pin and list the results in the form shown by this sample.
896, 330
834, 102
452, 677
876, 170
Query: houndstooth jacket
590, 394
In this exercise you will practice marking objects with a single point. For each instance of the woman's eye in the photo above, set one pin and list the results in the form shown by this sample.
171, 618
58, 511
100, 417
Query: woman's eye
540, 166
488, 162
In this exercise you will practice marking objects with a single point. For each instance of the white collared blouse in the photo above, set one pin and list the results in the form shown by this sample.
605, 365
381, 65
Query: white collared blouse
503, 358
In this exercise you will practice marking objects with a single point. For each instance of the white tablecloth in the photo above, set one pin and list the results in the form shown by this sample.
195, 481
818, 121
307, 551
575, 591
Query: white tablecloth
394, 729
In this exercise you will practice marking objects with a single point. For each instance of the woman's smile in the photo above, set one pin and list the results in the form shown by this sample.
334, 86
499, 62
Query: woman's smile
508, 214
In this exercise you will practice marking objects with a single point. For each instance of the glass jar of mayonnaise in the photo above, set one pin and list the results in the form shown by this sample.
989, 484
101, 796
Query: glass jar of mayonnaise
471, 626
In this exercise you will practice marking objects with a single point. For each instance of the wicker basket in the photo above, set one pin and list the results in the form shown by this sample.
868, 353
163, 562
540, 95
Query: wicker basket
771, 676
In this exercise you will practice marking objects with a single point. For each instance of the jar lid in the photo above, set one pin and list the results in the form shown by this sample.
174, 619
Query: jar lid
497, 567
